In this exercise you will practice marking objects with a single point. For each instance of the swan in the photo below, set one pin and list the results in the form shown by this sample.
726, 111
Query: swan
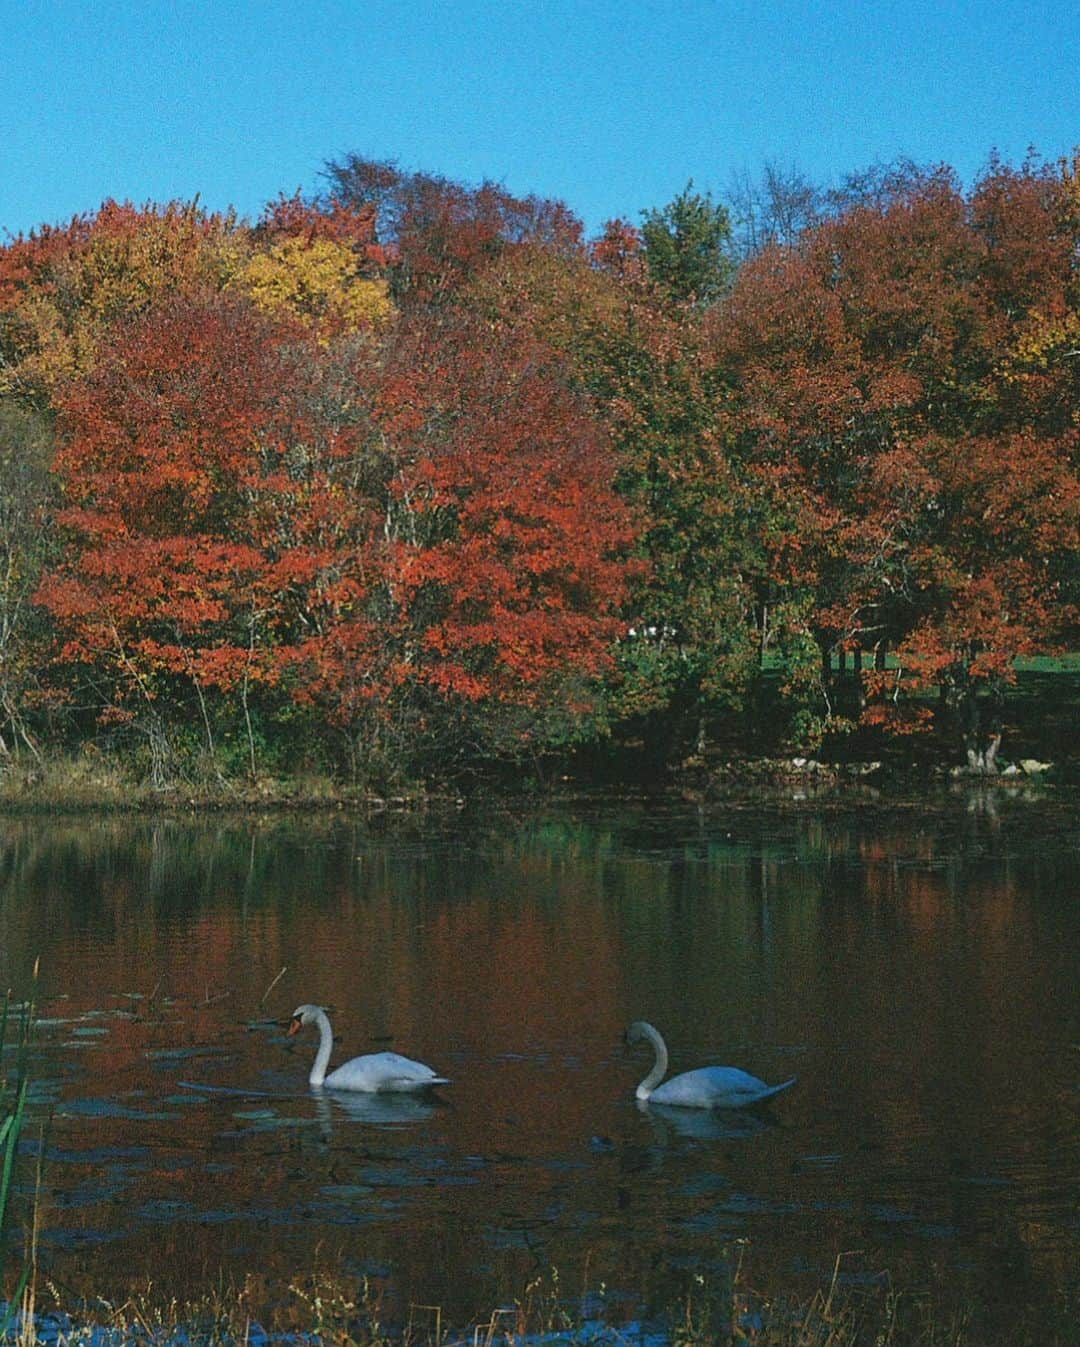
375, 1073
707, 1087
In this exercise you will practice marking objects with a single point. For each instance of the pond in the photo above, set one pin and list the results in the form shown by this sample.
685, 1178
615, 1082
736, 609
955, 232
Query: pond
916, 968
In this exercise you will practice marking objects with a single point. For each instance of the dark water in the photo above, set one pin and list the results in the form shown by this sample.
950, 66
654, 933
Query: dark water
916, 967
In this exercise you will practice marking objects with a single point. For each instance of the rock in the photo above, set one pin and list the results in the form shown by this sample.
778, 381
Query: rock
1011, 770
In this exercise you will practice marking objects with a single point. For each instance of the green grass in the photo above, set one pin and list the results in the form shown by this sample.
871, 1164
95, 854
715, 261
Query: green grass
1050, 664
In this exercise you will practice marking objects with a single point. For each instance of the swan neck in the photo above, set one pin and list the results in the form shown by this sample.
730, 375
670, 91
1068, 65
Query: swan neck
656, 1075
326, 1046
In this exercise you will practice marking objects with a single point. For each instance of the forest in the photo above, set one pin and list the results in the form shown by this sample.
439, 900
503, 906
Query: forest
410, 479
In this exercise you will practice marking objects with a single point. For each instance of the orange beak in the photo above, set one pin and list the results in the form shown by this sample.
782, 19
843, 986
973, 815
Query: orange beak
294, 1026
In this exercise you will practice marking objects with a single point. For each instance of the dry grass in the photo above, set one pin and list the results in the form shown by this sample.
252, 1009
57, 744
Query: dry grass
337, 1312
88, 781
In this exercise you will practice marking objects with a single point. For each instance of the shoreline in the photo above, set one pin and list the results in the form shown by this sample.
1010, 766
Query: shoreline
762, 782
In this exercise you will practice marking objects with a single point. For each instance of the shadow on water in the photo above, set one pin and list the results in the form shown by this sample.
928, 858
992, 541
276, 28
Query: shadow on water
914, 967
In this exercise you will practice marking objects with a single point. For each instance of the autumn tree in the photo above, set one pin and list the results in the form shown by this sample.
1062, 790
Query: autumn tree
688, 658
498, 550
202, 518
438, 233
322, 267
63, 287
919, 501
408, 529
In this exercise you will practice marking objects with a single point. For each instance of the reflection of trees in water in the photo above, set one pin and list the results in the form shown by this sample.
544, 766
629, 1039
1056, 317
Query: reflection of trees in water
909, 965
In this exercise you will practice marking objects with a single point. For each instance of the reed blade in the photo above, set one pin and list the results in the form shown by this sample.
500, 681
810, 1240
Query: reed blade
14, 1093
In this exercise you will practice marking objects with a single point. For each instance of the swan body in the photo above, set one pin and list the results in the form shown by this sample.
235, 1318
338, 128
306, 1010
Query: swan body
707, 1087
375, 1073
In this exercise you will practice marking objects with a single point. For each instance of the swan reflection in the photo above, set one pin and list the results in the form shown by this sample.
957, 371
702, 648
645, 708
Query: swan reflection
379, 1110
702, 1124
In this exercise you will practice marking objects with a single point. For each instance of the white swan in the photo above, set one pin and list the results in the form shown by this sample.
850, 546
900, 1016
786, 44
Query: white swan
707, 1087
376, 1073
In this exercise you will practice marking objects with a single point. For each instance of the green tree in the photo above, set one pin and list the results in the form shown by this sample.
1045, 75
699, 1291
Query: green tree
690, 653
686, 246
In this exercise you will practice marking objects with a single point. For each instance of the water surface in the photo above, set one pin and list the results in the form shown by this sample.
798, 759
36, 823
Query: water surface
915, 967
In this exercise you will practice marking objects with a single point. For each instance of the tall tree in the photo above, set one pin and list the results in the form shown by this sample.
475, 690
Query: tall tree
203, 527
686, 246
439, 233
503, 573
689, 656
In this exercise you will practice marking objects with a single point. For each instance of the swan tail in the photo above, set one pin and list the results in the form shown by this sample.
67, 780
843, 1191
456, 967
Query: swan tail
407, 1084
776, 1089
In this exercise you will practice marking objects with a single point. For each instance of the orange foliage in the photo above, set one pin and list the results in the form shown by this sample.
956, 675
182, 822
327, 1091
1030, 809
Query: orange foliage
199, 540
893, 405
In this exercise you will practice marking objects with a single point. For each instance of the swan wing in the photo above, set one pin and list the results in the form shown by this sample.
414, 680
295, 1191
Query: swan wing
716, 1087
383, 1072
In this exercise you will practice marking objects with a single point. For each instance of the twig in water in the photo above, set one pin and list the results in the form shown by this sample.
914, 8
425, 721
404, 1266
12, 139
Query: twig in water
273, 985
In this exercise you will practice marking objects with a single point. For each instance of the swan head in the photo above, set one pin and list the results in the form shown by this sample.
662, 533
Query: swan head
639, 1031
303, 1015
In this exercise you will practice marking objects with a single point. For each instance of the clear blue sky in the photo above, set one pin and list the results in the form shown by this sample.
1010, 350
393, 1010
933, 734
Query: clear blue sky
610, 106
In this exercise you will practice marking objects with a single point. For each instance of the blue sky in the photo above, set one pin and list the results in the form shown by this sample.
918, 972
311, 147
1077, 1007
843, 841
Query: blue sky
611, 107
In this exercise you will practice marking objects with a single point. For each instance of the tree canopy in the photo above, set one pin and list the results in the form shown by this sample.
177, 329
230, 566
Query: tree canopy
411, 474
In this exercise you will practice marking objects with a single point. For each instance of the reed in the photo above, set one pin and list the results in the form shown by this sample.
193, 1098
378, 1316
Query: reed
14, 1089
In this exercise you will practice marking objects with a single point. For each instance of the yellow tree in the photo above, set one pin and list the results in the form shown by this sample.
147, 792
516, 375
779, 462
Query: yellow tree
62, 288
322, 267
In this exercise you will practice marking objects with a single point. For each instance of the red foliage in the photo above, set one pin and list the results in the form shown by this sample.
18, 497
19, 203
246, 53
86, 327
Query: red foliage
921, 496
618, 250
506, 554
200, 537
440, 232
353, 226
232, 516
